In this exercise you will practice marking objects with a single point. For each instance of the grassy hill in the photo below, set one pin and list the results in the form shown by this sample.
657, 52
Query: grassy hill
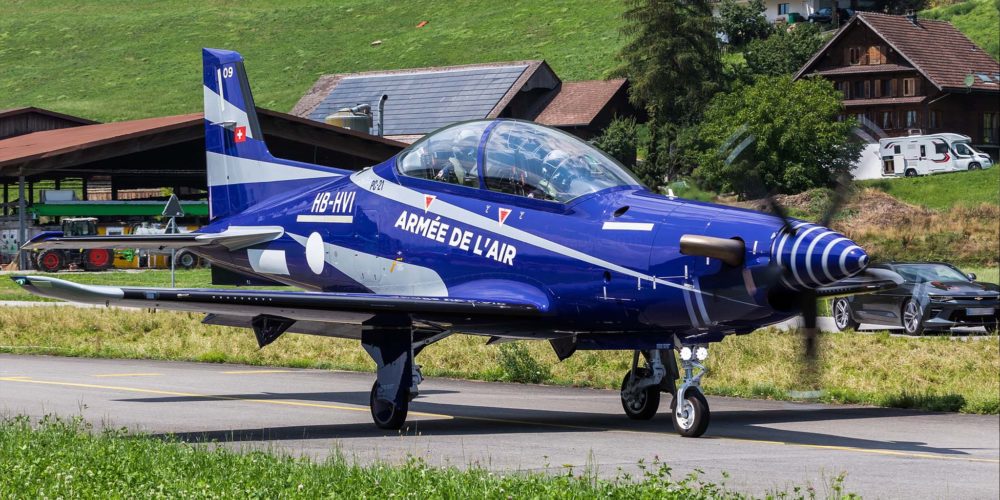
978, 19
118, 59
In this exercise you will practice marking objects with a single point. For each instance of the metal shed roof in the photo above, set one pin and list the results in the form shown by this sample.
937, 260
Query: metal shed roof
420, 102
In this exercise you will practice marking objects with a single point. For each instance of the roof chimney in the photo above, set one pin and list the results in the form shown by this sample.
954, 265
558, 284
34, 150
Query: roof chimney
912, 16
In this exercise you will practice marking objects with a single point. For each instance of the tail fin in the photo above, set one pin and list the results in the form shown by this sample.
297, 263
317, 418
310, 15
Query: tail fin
241, 171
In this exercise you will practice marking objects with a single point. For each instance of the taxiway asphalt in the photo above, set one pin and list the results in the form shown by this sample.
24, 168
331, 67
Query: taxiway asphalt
762, 445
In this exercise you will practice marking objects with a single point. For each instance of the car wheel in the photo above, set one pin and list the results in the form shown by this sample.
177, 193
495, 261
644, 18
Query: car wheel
975, 166
913, 317
911, 173
842, 315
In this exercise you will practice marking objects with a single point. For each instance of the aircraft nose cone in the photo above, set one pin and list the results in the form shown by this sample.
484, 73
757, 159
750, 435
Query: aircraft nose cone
816, 256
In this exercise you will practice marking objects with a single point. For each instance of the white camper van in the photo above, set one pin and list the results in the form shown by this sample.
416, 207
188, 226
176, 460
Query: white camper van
930, 154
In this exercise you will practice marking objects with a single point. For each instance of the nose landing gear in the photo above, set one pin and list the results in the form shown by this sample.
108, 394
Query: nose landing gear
641, 388
689, 409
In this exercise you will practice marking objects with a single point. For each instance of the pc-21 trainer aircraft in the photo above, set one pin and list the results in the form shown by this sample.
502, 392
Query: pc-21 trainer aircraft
499, 228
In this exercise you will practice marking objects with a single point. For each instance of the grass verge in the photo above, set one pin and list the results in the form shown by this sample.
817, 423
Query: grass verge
64, 459
936, 373
943, 191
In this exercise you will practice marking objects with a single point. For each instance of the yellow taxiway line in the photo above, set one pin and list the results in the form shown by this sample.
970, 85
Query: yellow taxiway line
877, 451
254, 372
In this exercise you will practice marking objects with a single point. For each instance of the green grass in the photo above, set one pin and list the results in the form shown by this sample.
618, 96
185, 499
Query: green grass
119, 59
66, 459
929, 372
978, 19
943, 191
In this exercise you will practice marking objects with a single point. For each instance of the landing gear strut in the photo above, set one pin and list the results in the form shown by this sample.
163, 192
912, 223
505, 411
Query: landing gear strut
689, 409
393, 346
641, 387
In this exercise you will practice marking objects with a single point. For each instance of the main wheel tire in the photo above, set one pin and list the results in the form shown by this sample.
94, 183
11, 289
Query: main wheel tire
842, 315
387, 414
911, 173
696, 414
186, 260
913, 318
646, 402
51, 261
97, 259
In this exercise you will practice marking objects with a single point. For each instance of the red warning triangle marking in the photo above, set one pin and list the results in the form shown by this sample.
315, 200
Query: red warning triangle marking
502, 214
428, 199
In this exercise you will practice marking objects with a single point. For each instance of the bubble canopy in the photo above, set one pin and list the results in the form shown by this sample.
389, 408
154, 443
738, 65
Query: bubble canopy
514, 157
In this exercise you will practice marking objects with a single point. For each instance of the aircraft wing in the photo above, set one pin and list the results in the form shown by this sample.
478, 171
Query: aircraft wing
233, 238
300, 306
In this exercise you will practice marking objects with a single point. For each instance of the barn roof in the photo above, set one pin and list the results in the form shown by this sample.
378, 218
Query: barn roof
579, 103
421, 100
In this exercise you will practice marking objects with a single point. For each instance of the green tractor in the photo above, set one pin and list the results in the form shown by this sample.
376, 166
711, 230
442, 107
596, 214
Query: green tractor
97, 259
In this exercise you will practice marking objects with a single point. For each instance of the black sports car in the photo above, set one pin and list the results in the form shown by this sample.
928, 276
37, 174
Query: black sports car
933, 296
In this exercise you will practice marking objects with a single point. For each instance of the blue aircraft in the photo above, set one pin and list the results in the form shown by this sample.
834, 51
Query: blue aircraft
500, 228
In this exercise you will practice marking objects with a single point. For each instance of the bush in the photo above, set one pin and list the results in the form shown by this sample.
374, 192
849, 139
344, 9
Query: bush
518, 365
620, 140
797, 142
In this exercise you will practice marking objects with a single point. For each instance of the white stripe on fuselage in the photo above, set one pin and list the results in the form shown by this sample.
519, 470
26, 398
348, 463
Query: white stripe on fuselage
407, 196
326, 219
628, 226
225, 170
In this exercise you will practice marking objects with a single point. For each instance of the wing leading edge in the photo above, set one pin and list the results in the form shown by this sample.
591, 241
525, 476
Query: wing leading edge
304, 306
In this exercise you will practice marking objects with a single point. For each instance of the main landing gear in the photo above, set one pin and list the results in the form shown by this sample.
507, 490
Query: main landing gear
641, 388
393, 347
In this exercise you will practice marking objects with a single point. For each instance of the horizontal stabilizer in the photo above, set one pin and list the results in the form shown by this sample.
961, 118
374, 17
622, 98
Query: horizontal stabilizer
233, 238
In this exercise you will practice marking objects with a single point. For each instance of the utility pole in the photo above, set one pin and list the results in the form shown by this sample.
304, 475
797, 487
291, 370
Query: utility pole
22, 223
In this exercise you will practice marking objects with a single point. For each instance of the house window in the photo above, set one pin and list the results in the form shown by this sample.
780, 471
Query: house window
855, 55
887, 120
935, 119
991, 124
844, 88
859, 89
886, 88
911, 119
876, 54
909, 87
782, 9
877, 88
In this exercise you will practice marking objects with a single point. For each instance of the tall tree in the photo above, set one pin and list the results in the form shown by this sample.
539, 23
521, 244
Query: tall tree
672, 59
743, 22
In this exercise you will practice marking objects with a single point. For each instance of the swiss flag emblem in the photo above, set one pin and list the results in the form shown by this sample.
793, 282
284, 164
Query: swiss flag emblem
502, 215
428, 199
239, 134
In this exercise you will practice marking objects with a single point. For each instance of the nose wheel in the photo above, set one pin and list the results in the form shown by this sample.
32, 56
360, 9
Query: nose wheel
691, 419
689, 409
